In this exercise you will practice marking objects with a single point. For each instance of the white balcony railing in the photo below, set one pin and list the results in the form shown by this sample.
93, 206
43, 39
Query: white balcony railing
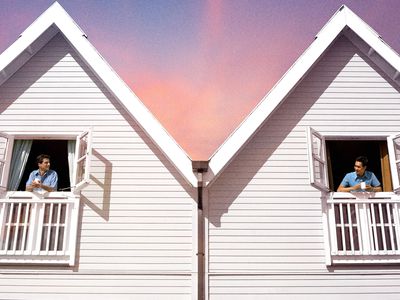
37, 228
364, 227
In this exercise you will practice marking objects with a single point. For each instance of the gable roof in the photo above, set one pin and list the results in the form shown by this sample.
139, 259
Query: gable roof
55, 19
342, 20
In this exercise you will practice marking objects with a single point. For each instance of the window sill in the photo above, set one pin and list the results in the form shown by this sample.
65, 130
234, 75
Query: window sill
348, 259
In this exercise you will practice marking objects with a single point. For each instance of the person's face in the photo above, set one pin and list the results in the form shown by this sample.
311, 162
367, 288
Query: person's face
44, 165
359, 168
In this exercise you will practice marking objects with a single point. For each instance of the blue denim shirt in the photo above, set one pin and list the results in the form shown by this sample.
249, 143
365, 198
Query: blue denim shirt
351, 179
50, 178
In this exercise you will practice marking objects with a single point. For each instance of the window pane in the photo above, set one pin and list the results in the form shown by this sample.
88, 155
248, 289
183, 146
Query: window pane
319, 172
3, 146
317, 146
81, 170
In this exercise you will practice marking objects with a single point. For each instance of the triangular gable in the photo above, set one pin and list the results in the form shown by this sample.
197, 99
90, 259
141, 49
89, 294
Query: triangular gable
55, 19
344, 21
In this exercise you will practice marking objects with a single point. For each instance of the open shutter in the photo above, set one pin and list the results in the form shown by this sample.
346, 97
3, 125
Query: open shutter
317, 160
83, 155
394, 158
6, 144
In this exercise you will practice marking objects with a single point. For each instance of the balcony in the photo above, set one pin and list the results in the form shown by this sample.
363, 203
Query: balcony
38, 228
364, 228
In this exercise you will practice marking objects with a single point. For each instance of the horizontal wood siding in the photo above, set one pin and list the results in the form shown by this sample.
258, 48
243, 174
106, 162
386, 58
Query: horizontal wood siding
305, 287
94, 286
264, 217
137, 212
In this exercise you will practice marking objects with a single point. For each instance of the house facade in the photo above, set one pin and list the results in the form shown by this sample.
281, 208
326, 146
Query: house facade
120, 224
135, 218
276, 227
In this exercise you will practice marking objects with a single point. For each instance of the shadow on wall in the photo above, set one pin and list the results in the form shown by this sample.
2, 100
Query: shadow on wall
235, 180
105, 187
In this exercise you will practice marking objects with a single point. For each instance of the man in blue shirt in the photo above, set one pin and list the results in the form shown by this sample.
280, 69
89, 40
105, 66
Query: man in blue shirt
360, 180
42, 178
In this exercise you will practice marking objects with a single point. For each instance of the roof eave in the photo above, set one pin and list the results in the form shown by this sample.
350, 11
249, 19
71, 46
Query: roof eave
56, 15
343, 18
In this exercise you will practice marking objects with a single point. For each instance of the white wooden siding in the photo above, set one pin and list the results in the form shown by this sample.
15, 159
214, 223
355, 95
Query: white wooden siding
305, 287
100, 286
264, 217
137, 214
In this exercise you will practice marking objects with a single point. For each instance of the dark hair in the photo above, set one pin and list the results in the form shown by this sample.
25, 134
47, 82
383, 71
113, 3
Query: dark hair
363, 160
41, 157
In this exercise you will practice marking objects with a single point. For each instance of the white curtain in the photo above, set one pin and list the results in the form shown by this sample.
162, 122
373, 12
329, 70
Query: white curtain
20, 155
71, 159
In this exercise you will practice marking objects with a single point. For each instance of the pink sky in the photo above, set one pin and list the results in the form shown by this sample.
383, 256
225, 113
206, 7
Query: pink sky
200, 66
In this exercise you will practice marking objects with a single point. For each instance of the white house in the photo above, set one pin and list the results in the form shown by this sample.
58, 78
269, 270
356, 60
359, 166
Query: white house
121, 224
276, 228
135, 218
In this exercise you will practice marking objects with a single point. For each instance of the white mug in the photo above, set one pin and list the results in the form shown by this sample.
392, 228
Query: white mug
363, 185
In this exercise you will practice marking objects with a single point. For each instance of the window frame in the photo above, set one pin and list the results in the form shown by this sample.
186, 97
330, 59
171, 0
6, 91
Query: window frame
76, 187
86, 157
343, 137
6, 162
394, 161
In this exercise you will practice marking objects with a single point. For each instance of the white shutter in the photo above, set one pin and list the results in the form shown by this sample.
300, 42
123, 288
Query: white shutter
83, 155
317, 160
6, 144
394, 158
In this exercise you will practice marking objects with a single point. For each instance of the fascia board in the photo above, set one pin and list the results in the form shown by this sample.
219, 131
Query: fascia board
368, 35
76, 37
27, 37
241, 136
128, 99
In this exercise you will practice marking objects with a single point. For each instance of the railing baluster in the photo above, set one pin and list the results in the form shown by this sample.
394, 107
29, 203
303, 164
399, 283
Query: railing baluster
369, 228
359, 232
332, 228
375, 233
26, 225
382, 228
350, 228
10, 211
342, 228
397, 226
389, 216
57, 226
16, 226
68, 219
39, 228
49, 229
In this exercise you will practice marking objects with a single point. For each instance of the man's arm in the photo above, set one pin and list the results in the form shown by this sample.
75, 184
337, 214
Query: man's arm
375, 184
341, 188
38, 185
30, 184
52, 184
46, 188
370, 188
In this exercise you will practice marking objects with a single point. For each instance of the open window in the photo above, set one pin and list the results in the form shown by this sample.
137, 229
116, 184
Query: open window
70, 158
331, 158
